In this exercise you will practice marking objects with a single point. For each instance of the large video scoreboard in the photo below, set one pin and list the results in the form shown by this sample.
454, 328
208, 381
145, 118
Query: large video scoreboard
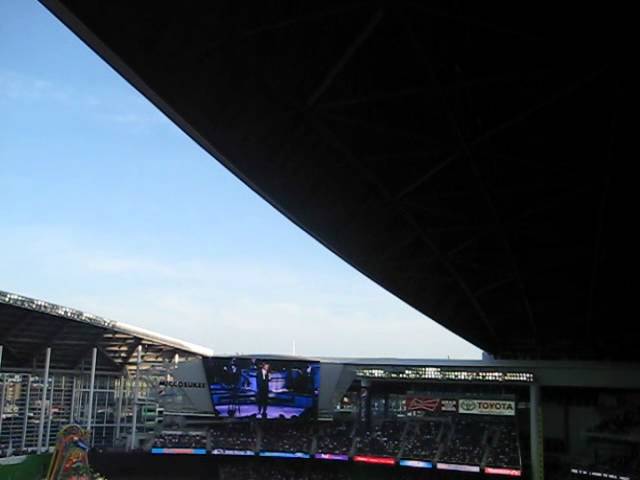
265, 388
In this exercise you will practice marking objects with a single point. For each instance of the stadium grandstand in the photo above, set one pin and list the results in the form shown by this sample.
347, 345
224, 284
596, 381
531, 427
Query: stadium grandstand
463, 155
145, 397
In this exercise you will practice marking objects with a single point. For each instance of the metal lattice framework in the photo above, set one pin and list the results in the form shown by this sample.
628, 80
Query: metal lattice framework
28, 326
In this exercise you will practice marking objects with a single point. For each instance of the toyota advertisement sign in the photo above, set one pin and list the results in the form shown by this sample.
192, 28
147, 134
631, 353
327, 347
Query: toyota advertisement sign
487, 407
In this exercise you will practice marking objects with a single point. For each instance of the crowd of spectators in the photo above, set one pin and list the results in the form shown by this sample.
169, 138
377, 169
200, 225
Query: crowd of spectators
286, 436
233, 436
327, 475
456, 439
504, 446
383, 439
279, 471
238, 471
170, 439
260, 472
623, 423
466, 444
618, 465
421, 440
413, 474
335, 438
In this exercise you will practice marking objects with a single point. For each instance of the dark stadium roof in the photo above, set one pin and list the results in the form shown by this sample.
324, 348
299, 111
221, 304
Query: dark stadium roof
460, 154
29, 326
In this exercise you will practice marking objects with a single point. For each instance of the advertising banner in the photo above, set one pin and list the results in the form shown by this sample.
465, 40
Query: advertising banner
449, 405
422, 404
188, 390
178, 451
415, 463
285, 454
428, 404
227, 451
331, 456
458, 467
613, 476
487, 407
511, 472
374, 460
364, 394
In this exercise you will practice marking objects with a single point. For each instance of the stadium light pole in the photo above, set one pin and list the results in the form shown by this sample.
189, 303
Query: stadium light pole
94, 357
43, 402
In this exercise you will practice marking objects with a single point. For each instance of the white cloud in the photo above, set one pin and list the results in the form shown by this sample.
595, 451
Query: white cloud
123, 265
129, 110
134, 119
224, 304
15, 86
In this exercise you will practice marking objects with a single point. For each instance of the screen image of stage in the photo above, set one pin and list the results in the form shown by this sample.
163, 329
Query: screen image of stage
264, 388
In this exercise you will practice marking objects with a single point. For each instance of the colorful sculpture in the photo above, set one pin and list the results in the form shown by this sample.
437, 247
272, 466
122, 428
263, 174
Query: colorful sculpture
70, 460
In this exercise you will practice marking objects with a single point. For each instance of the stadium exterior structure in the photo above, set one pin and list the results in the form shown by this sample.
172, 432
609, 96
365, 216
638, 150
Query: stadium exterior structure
61, 365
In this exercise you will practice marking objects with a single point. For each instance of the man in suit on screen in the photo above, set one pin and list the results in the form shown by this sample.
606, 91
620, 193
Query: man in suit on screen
262, 387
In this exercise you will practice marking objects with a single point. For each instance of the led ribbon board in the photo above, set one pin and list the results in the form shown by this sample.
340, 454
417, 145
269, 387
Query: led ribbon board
374, 460
458, 467
226, 451
590, 473
415, 464
178, 451
331, 456
512, 472
285, 454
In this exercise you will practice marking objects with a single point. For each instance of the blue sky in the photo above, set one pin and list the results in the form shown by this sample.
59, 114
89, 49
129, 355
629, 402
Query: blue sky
110, 208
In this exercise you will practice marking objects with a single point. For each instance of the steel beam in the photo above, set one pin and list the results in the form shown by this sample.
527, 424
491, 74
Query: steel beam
43, 404
94, 357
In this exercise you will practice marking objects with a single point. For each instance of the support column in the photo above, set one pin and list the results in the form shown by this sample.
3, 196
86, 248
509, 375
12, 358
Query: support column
3, 395
43, 404
536, 435
107, 396
72, 410
23, 443
567, 423
136, 393
47, 437
92, 382
127, 401
94, 422
386, 406
365, 403
119, 409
